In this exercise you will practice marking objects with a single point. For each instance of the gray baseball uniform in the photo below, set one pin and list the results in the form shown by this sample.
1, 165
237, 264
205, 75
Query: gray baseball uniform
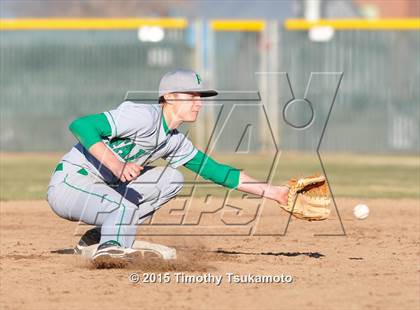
81, 189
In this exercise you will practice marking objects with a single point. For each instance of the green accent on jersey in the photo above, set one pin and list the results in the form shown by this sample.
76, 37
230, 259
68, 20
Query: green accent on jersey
113, 121
59, 167
90, 129
120, 223
135, 156
165, 125
198, 79
182, 158
123, 147
210, 169
82, 172
103, 197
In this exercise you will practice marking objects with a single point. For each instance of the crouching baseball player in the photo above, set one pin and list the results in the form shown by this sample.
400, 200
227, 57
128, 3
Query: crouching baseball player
106, 179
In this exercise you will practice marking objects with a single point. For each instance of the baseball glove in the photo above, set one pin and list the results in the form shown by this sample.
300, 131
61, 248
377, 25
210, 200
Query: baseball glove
309, 198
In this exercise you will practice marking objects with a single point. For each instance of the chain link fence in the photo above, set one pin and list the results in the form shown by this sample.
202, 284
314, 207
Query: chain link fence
48, 78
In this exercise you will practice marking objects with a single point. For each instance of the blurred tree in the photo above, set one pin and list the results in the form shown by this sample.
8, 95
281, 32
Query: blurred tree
389, 8
271, 9
88, 8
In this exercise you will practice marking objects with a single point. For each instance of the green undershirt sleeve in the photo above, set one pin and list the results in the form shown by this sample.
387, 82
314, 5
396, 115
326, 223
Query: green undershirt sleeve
90, 129
210, 169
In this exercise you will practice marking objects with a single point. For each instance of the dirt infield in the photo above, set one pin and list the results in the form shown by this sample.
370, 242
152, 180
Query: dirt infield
374, 267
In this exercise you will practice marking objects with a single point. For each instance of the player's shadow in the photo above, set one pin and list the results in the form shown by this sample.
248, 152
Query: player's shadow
287, 254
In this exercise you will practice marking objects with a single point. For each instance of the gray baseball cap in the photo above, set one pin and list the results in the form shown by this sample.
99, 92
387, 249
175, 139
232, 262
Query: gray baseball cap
183, 81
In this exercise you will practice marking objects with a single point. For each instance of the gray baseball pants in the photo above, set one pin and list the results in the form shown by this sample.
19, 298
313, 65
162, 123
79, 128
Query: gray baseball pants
78, 195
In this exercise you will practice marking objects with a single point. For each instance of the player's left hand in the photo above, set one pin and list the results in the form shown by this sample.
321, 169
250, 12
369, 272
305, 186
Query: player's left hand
308, 198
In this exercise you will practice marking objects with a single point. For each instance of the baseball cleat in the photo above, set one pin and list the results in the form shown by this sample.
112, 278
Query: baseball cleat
89, 238
159, 250
110, 254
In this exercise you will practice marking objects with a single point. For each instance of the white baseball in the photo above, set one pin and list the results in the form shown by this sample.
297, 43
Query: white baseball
361, 211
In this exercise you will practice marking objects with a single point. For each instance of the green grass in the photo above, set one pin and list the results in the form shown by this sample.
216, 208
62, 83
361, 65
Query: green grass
25, 176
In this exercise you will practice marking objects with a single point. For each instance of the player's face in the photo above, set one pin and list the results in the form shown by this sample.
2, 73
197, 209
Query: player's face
187, 106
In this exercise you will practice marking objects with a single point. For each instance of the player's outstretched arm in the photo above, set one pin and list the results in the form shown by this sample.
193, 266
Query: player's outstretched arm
231, 177
250, 185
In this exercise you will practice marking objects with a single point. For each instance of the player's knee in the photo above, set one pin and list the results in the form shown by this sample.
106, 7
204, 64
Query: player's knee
172, 180
54, 202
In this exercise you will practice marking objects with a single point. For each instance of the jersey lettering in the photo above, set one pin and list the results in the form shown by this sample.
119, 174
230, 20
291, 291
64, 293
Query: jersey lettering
123, 147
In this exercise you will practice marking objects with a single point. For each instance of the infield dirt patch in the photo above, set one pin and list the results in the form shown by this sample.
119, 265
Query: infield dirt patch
374, 267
